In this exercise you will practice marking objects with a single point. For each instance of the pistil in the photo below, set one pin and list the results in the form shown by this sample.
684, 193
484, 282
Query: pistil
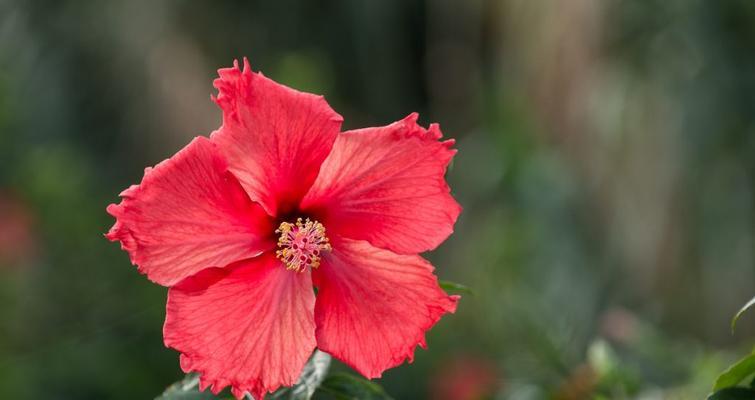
301, 244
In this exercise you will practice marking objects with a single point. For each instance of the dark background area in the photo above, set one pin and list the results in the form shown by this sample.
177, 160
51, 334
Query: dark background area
606, 166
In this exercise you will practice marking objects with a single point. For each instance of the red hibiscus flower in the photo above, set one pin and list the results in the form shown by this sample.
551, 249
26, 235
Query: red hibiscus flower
242, 226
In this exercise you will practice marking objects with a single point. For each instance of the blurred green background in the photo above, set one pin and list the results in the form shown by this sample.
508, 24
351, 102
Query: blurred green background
606, 166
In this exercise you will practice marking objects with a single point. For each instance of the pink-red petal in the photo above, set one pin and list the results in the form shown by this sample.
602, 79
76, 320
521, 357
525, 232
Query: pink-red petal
374, 306
386, 185
249, 326
189, 213
274, 137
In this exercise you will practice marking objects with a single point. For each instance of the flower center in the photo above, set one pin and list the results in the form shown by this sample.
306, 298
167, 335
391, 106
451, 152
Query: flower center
301, 244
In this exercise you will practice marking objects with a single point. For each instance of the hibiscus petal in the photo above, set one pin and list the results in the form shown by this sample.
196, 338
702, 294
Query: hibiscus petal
374, 306
189, 213
274, 137
386, 185
249, 326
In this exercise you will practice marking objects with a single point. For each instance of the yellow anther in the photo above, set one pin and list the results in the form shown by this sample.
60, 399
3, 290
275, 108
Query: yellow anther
301, 244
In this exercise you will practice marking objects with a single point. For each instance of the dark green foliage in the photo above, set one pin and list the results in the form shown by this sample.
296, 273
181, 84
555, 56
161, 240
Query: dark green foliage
343, 386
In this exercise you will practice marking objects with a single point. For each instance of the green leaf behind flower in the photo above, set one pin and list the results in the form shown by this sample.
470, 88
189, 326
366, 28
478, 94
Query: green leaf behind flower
312, 375
740, 312
733, 393
343, 386
736, 374
453, 287
311, 384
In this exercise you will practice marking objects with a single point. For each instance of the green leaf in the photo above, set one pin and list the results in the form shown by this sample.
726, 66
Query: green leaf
736, 373
311, 377
453, 287
740, 312
186, 389
342, 386
733, 393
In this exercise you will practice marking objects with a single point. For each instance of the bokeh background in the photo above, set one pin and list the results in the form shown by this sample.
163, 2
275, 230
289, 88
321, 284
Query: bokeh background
606, 166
